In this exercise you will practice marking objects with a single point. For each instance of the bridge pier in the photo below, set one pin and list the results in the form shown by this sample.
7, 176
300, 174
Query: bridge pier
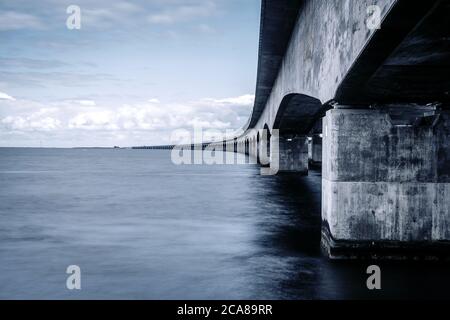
292, 152
253, 147
316, 149
386, 187
240, 147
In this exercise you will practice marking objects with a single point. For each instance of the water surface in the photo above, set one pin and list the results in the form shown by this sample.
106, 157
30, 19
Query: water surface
140, 227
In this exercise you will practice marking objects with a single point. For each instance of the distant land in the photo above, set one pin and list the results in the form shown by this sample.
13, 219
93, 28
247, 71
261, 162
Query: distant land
115, 147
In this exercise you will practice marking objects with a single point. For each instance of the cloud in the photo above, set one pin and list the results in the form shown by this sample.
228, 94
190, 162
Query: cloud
4, 96
21, 124
127, 7
40, 121
118, 39
76, 102
160, 18
244, 100
228, 113
206, 29
183, 12
87, 103
100, 17
11, 20
94, 120
27, 63
53, 79
111, 14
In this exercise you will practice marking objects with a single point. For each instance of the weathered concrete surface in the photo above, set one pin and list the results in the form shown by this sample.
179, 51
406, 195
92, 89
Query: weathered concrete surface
333, 55
278, 18
326, 40
292, 153
407, 61
384, 183
296, 77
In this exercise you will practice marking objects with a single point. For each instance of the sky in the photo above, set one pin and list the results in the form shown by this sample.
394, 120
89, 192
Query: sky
135, 71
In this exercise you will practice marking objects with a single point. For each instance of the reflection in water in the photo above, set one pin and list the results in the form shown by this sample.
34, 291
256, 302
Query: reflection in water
141, 228
291, 232
295, 232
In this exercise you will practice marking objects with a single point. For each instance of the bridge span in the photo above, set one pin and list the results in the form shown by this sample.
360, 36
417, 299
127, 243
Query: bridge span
373, 106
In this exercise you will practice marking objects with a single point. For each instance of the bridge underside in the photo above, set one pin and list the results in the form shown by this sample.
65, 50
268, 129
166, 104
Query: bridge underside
379, 124
408, 60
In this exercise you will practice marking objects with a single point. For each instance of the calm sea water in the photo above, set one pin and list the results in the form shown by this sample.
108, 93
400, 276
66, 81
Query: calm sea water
140, 227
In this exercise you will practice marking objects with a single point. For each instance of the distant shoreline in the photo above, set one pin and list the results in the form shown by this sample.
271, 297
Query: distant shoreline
101, 148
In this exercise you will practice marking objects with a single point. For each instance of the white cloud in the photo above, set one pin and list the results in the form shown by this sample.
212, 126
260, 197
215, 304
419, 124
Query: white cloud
4, 96
36, 121
11, 20
88, 103
127, 7
160, 18
182, 13
131, 122
94, 120
206, 29
28, 63
245, 100
110, 14
99, 17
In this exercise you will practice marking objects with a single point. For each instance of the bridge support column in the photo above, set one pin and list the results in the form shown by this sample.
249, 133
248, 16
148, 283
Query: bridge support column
386, 188
240, 147
316, 149
253, 147
292, 152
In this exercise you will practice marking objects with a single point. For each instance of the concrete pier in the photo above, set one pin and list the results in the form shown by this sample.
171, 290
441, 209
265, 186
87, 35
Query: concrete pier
292, 152
386, 187
316, 149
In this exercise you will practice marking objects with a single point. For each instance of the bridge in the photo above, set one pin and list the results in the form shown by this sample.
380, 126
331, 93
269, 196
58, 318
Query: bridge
372, 106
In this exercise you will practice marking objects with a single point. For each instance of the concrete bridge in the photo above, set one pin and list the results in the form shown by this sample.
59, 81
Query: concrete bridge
373, 105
